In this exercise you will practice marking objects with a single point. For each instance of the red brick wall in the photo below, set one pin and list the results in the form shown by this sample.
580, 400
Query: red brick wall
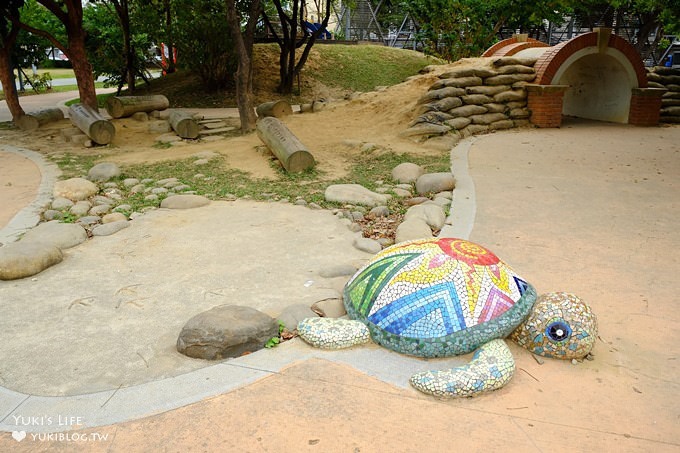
511, 46
645, 107
546, 106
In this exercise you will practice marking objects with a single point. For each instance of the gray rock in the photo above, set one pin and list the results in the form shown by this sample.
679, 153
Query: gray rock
140, 116
52, 214
379, 211
338, 270
184, 202
356, 216
416, 200
62, 235
152, 197
314, 206
293, 314
329, 308
163, 182
431, 213
171, 184
89, 220
226, 331
159, 190
122, 208
442, 202
81, 208
113, 217
445, 194
100, 210
130, 182
367, 245
435, 182
25, 258
414, 228
103, 171
111, 185
354, 227
181, 188
354, 194
100, 199
61, 203
108, 229
200, 162
137, 188
401, 192
407, 172
75, 189
146, 181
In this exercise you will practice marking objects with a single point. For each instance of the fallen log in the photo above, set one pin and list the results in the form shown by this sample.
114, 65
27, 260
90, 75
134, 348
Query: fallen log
34, 120
277, 109
184, 124
122, 106
95, 126
293, 155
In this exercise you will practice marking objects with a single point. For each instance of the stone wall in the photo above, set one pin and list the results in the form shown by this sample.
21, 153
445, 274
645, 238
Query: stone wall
669, 79
485, 95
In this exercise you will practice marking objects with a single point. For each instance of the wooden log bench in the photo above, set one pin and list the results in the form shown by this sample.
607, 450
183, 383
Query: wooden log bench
293, 155
95, 126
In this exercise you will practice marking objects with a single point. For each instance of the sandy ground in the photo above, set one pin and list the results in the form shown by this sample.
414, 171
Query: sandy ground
19, 183
589, 208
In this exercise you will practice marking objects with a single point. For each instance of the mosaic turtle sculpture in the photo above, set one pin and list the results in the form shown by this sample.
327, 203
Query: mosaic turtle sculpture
444, 297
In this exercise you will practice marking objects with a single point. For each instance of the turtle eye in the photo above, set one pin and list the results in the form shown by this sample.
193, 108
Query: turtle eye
558, 331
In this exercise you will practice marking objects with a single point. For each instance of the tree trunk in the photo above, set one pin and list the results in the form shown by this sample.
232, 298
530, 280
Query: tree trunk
243, 49
122, 106
82, 67
293, 155
7, 80
169, 34
94, 125
34, 120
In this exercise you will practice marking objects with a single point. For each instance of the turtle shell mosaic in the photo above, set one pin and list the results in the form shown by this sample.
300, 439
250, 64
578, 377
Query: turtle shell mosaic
438, 297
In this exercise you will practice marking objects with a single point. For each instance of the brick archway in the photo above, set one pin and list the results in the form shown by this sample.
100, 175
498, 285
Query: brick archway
596, 75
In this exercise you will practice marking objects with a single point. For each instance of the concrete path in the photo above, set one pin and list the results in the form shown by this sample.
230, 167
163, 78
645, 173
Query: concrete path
589, 208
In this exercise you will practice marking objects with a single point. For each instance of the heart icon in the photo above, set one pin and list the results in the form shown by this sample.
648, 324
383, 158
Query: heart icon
19, 435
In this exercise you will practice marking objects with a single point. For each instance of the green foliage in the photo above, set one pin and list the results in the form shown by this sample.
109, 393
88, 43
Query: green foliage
274, 341
204, 42
41, 82
105, 44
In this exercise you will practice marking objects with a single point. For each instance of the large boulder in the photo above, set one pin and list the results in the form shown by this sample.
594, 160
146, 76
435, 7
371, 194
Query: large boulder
226, 331
62, 235
355, 194
24, 258
75, 189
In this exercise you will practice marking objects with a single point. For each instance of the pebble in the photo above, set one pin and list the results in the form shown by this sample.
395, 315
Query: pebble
100, 210
103, 171
152, 197
89, 220
137, 188
159, 190
367, 245
52, 214
130, 182
110, 228
122, 208
184, 202
113, 217
61, 203
81, 208
99, 200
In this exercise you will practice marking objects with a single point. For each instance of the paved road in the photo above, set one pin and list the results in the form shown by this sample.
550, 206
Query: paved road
41, 101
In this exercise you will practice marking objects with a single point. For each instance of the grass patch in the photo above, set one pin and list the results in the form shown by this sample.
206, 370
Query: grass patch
362, 68
216, 181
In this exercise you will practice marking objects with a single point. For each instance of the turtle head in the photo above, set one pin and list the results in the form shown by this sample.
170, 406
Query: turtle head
560, 325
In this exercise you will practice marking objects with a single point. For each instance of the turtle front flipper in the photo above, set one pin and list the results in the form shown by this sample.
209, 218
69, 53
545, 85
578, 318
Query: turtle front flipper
492, 366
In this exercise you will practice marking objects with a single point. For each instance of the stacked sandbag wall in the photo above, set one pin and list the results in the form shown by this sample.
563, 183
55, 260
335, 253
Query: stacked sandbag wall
474, 99
669, 79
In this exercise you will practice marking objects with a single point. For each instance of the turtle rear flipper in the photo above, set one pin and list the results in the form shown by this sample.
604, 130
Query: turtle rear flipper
492, 366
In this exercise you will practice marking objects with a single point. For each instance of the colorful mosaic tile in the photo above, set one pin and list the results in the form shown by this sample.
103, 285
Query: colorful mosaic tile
330, 333
491, 367
437, 297
561, 326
